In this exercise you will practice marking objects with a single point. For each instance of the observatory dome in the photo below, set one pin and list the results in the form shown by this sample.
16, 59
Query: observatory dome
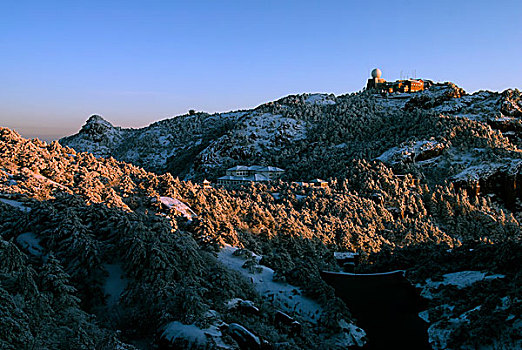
376, 73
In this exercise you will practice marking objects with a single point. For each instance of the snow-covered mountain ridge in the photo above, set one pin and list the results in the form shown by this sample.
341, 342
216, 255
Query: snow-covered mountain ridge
314, 135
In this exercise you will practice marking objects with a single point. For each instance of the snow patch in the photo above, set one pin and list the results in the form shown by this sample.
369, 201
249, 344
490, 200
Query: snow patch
115, 283
425, 315
283, 295
350, 335
440, 332
460, 279
191, 334
476, 172
179, 206
31, 243
364, 274
287, 297
345, 255
320, 99
409, 152
16, 204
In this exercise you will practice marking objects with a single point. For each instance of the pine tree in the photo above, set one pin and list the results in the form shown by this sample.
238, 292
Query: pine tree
55, 282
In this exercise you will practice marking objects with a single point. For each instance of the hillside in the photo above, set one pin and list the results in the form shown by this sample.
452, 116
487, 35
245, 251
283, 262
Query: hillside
439, 134
424, 184
97, 221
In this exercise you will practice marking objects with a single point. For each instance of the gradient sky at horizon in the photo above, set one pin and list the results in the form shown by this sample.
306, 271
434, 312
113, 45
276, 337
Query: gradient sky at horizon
135, 62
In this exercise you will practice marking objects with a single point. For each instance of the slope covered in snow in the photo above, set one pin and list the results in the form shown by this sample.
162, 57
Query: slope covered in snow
317, 135
285, 296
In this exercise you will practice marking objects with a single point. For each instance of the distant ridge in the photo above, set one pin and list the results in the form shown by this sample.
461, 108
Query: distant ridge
317, 135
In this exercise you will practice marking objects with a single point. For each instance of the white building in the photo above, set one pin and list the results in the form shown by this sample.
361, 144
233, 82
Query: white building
241, 174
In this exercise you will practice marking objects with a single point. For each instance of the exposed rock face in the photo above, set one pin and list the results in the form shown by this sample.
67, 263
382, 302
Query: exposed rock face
511, 104
97, 136
97, 129
412, 152
435, 96
501, 181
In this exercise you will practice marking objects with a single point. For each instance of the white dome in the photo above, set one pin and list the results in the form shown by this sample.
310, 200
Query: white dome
376, 73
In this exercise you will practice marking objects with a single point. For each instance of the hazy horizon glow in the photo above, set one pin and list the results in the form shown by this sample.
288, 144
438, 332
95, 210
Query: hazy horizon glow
138, 62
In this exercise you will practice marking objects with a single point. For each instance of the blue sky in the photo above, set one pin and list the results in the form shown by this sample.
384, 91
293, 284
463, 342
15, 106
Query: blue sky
135, 62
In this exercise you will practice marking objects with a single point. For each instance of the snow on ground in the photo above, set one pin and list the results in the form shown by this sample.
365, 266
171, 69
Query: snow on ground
479, 106
465, 278
258, 132
45, 179
396, 155
345, 255
115, 283
351, 335
440, 332
31, 243
97, 136
287, 297
394, 102
320, 99
267, 126
460, 279
179, 206
193, 335
364, 274
476, 172
409, 151
164, 140
283, 295
425, 315
16, 204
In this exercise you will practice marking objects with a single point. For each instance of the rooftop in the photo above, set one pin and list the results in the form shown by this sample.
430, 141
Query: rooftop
256, 168
255, 178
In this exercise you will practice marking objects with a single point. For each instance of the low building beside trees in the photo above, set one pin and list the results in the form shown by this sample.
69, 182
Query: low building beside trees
206, 184
242, 174
318, 183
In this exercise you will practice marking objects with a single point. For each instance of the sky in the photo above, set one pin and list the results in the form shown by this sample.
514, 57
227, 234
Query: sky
135, 62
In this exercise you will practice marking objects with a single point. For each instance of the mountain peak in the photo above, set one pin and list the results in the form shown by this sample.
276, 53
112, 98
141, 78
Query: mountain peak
96, 126
97, 119
97, 136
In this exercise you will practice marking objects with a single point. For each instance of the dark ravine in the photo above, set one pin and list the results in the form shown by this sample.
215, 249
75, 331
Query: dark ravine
386, 307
